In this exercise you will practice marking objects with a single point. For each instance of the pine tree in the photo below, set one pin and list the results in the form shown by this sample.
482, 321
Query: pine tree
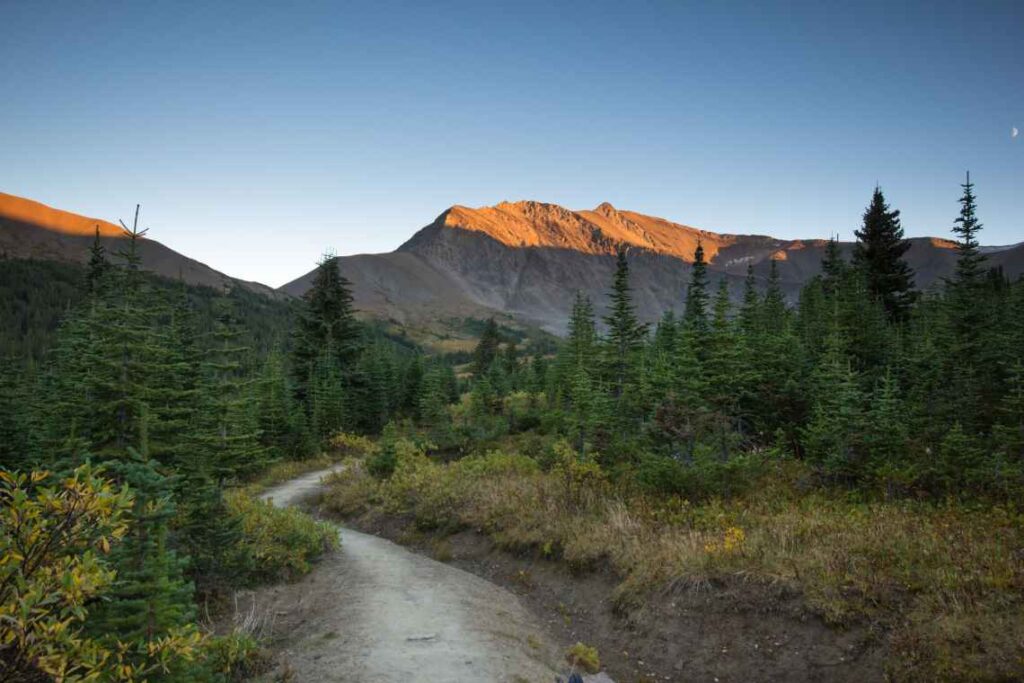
726, 377
1009, 431
970, 261
98, 266
327, 321
750, 309
879, 254
150, 598
833, 266
625, 332
276, 412
432, 403
229, 421
831, 436
886, 436
967, 315
486, 349
774, 313
695, 315
326, 397
14, 419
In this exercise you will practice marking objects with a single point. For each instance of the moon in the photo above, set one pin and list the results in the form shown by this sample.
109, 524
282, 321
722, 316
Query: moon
1014, 132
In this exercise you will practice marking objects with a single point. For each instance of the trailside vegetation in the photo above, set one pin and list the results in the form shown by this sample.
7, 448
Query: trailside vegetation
865, 444
129, 435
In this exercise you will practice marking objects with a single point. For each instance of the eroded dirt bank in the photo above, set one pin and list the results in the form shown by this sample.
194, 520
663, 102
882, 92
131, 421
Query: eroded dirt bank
745, 632
374, 612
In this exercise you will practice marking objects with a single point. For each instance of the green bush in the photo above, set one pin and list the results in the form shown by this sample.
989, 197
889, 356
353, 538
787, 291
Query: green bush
382, 465
278, 543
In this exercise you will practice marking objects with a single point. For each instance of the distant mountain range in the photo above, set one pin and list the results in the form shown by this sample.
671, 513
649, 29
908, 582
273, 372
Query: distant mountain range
520, 259
527, 259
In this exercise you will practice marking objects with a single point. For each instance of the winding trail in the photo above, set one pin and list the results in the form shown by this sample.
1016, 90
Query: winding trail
373, 612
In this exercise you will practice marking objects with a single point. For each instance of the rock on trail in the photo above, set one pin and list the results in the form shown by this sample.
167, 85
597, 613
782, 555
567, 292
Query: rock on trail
373, 612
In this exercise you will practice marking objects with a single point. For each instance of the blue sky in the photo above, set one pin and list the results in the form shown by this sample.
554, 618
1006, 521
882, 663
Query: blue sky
255, 137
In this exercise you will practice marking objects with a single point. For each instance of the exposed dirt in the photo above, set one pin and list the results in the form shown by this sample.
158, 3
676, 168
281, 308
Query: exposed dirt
742, 632
373, 612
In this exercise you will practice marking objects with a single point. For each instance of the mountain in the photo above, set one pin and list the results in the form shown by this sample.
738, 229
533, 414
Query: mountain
526, 259
31, 230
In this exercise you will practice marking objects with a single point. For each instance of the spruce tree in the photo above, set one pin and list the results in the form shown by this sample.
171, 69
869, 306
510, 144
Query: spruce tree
967, 315
487, 348
229, 424
98, 266
625, 332
695, 315
886, 437
750, 309
879, 254
833, 266
326, 321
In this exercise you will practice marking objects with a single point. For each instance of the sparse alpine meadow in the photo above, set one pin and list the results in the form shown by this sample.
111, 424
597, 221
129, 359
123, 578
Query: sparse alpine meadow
934, 589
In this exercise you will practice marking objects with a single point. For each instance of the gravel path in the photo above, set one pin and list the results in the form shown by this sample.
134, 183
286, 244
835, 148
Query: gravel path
374, 612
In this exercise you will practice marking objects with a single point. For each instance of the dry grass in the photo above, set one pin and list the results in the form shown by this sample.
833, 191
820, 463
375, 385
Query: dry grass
946, 581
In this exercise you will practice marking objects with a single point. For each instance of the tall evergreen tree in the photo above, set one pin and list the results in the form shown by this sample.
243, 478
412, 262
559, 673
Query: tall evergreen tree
879, 254
695, 315
487, 348
327, 321
625, 332
967, 315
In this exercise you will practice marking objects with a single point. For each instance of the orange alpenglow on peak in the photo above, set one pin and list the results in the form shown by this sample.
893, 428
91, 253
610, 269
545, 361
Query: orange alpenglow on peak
27, 211
602, 230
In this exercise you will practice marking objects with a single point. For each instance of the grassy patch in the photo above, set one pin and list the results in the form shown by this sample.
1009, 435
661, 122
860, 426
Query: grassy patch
945, 580
584, 657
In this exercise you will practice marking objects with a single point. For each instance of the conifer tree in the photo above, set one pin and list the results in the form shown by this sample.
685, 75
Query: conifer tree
326, 397
831, 436
879, 254
833, 266
98, 266
967, 314
625, 332
327, 321
695, 315
970, 261
774, 313
727, 379
486, 349
886, 436
14, 421
229, 426
277, 415
751, 306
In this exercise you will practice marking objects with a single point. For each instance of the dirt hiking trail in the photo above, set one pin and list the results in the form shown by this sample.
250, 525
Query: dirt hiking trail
373, 612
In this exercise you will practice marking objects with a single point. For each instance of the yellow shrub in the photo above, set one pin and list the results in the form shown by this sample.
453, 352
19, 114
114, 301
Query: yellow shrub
53, 539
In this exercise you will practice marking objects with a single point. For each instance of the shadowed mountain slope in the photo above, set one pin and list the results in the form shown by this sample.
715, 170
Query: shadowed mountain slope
31, 230
527, 258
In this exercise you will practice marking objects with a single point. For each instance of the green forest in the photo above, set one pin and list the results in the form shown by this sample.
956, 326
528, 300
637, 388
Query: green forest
135, 411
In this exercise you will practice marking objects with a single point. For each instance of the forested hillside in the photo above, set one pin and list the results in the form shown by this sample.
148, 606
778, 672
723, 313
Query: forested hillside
835, 447
36, 295
123, 446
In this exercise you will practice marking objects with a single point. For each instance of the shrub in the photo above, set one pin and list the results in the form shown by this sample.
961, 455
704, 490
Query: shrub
279, 543
53, 543
584, 657
383, 464
237, 656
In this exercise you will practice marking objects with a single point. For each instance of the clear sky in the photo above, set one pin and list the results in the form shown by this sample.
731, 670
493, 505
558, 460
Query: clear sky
255, 137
